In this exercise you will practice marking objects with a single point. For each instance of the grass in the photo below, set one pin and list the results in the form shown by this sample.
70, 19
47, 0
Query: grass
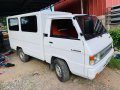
114, 63
115, 33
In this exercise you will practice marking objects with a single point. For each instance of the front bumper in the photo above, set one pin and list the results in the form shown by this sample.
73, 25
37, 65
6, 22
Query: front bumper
92, 71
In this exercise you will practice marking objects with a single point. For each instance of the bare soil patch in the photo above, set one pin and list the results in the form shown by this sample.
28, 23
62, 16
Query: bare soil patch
35, 75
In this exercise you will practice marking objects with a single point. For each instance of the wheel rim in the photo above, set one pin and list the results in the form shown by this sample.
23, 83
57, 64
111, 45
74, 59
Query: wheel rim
58, 70
22, 55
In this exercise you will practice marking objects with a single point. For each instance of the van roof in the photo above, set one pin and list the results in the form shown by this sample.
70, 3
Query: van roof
49, 13
80, 14
43, 12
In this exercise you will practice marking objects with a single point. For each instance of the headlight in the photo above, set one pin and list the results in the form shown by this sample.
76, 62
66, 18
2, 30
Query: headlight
94, 59
97, 58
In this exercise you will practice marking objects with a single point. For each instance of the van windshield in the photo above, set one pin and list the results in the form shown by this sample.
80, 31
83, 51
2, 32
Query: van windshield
91, 26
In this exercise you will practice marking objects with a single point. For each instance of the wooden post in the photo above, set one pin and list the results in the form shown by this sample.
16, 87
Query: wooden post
82, 10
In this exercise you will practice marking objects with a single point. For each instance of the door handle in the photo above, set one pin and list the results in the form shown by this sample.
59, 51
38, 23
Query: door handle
51, 42
45, 35
75, 50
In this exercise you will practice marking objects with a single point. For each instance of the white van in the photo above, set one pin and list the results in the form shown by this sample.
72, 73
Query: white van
70, 43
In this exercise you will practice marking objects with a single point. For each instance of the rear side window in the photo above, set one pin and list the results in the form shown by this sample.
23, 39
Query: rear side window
29, 24
13, 24
63, 28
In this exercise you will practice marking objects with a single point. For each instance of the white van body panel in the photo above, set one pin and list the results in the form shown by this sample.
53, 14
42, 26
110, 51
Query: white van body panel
31, 43
93, 47
97, 44
74, 59
92, 71
75, 52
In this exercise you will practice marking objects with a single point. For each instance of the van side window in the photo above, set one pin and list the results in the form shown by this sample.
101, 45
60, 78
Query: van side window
29, 24
13, 24
63, 28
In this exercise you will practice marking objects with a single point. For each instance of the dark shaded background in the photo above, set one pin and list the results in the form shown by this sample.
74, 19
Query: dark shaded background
13, 7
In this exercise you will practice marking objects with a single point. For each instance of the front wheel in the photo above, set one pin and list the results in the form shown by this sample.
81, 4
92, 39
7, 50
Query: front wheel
23, 56
62, 70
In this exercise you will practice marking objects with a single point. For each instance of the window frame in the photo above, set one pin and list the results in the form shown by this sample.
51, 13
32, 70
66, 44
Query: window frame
36, 23
9, 24
61, 36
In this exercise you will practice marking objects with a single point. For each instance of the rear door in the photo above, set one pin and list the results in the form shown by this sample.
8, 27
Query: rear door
63, 41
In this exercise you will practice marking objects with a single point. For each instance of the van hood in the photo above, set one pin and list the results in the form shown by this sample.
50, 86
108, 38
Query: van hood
99, 43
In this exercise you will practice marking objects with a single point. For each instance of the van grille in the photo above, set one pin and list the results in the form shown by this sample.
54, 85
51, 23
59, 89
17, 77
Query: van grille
104, 52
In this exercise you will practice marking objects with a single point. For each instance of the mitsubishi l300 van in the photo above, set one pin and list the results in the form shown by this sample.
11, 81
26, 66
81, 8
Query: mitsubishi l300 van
70, 43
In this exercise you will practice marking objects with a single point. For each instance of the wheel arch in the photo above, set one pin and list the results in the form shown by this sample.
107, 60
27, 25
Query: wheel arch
65, 60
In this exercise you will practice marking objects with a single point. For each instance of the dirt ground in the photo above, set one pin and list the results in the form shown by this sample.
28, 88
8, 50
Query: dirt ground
35, 75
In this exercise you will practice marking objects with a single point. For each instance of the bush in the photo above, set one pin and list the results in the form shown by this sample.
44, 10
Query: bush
115, 33
114, 63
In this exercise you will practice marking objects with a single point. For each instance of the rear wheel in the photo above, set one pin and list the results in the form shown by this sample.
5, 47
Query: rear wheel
62, 70
23, 56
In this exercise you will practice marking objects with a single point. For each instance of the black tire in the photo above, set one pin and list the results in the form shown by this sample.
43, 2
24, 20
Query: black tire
62, 70
23, 57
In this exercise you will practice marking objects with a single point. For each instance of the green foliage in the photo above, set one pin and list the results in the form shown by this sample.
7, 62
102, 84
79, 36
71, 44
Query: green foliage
114, 63
3, 20
115, 33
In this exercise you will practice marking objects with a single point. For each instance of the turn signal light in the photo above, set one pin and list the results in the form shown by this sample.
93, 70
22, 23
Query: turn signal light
92, 60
